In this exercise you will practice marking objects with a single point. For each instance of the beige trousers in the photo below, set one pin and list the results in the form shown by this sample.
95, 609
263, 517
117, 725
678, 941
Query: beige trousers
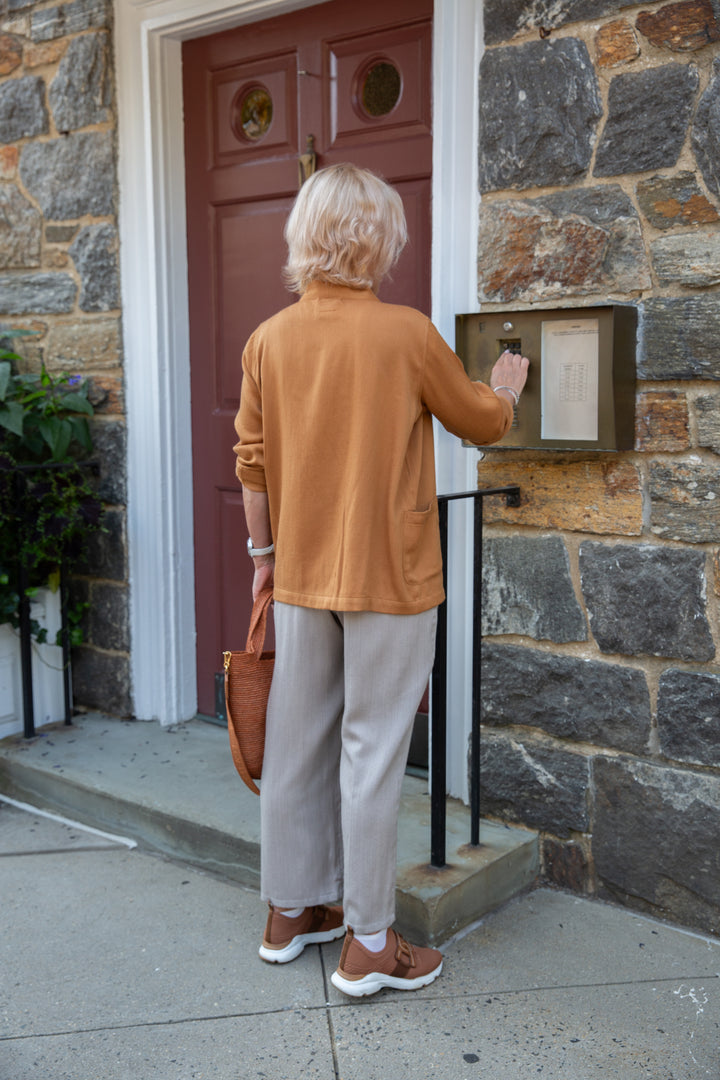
345, 691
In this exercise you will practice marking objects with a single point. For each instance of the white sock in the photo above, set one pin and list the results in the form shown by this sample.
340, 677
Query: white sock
292, 913
373, 942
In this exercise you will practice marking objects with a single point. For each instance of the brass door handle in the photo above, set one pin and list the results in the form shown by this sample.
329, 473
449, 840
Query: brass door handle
307, 162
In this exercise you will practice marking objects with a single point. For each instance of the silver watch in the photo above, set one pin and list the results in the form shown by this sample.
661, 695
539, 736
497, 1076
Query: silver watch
253, 551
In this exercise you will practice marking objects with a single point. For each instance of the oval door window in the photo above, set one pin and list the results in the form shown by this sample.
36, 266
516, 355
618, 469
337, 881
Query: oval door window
252, 113
380, 88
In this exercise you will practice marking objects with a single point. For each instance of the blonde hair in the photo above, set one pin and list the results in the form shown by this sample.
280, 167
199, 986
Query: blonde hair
347, 227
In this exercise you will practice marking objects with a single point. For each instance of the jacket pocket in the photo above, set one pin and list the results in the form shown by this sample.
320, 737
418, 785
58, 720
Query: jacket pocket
422, 558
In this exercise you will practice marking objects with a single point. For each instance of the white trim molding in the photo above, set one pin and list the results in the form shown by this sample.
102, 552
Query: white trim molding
457, 44
148, 39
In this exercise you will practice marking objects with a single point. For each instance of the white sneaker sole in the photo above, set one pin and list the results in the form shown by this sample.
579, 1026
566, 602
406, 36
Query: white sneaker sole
296, 946
370, 984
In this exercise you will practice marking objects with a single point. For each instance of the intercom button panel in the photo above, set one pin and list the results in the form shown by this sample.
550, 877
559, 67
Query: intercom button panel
580, 393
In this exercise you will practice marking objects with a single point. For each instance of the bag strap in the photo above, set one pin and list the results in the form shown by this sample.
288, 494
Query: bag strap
258, 622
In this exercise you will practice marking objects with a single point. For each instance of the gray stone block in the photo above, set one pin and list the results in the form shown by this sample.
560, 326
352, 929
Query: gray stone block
566, 865
706, 132
573, 242
505, 18
109, 447
685, 502
688, 259
565, 696
526, 589
81, 92
101, 681
107, 552
60, 234
646, 600
707, 413
36, 294
65, 19
654, 841
94, 253
688, 716
601, 205
109, 626
23, 112
678, 338
648, 116
20, 229
523, 780
72, 176
84, 345
529, 133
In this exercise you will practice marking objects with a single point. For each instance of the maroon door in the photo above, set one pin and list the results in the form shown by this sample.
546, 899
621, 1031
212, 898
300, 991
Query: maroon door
356, 77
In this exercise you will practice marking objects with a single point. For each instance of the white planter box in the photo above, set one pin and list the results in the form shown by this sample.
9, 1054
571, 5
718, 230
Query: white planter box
46, 667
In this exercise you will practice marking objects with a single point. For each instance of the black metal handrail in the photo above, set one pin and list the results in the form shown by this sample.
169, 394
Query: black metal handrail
24, 614
438, 758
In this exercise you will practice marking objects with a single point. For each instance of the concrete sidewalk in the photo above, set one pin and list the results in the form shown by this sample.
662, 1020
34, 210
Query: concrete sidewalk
176, 791
122, 965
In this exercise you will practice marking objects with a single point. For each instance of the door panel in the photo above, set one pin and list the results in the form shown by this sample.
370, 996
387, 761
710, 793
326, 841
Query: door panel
236, 138
356, 77
249, 248
350, 64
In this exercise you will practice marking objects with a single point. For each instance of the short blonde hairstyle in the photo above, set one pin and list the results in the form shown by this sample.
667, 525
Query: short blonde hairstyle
347, 227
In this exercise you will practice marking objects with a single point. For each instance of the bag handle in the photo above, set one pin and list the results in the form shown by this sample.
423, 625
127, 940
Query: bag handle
258, 622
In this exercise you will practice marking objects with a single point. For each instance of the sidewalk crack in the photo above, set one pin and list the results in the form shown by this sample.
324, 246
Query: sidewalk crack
328, 1014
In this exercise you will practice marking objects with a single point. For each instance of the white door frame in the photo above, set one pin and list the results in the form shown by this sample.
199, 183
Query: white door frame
148, 39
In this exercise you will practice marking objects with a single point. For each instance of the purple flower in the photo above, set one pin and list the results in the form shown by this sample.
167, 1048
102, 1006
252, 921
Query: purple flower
74, 380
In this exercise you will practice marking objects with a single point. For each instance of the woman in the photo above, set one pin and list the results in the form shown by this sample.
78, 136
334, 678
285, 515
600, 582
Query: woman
335, 456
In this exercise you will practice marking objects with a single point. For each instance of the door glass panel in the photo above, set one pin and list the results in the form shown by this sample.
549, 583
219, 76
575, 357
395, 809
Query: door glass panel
253, 114
381, 88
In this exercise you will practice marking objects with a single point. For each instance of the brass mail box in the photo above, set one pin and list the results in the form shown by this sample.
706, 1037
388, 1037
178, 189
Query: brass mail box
580, 392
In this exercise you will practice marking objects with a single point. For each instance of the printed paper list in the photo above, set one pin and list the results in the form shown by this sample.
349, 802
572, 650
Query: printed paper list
570, 379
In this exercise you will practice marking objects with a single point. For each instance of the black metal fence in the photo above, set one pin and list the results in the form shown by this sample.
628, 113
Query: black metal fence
438, 755
19, 477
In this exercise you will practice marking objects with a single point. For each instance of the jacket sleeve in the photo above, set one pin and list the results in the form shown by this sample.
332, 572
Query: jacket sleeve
250, 449
465, 408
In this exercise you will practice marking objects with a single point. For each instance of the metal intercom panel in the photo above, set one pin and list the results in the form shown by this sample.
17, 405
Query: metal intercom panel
580, 392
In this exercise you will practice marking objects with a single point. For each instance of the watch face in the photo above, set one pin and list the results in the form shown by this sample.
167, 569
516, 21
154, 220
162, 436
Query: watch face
249, 544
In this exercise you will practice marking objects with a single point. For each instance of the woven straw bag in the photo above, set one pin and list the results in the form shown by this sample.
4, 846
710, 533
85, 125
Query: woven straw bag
248, 676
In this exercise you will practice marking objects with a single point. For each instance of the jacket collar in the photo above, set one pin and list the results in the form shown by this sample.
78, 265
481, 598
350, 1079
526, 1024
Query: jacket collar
324, 290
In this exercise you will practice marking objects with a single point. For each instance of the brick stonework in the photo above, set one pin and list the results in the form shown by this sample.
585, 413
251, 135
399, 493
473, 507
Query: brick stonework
616, 43
606, 192
59, 274
662, 421
682, 27
626, 655
603, 496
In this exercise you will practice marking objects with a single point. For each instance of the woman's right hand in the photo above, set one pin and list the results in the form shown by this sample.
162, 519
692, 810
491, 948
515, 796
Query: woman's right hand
510, 370
264, 574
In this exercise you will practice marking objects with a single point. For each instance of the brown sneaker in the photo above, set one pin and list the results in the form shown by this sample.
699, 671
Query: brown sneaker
399, 965
286, 938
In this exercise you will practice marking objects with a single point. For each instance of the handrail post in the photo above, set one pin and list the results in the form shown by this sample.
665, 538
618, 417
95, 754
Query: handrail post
25, 628
438, 761
476, 675
65, 642
26, 653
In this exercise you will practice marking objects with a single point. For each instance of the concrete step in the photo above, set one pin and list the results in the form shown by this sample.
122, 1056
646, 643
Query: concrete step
176, 791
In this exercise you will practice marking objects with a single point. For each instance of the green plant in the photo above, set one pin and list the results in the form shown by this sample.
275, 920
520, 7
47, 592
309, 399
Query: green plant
48, 508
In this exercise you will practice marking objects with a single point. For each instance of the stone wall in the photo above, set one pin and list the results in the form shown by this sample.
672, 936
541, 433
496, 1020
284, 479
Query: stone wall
59, 271
600, 177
